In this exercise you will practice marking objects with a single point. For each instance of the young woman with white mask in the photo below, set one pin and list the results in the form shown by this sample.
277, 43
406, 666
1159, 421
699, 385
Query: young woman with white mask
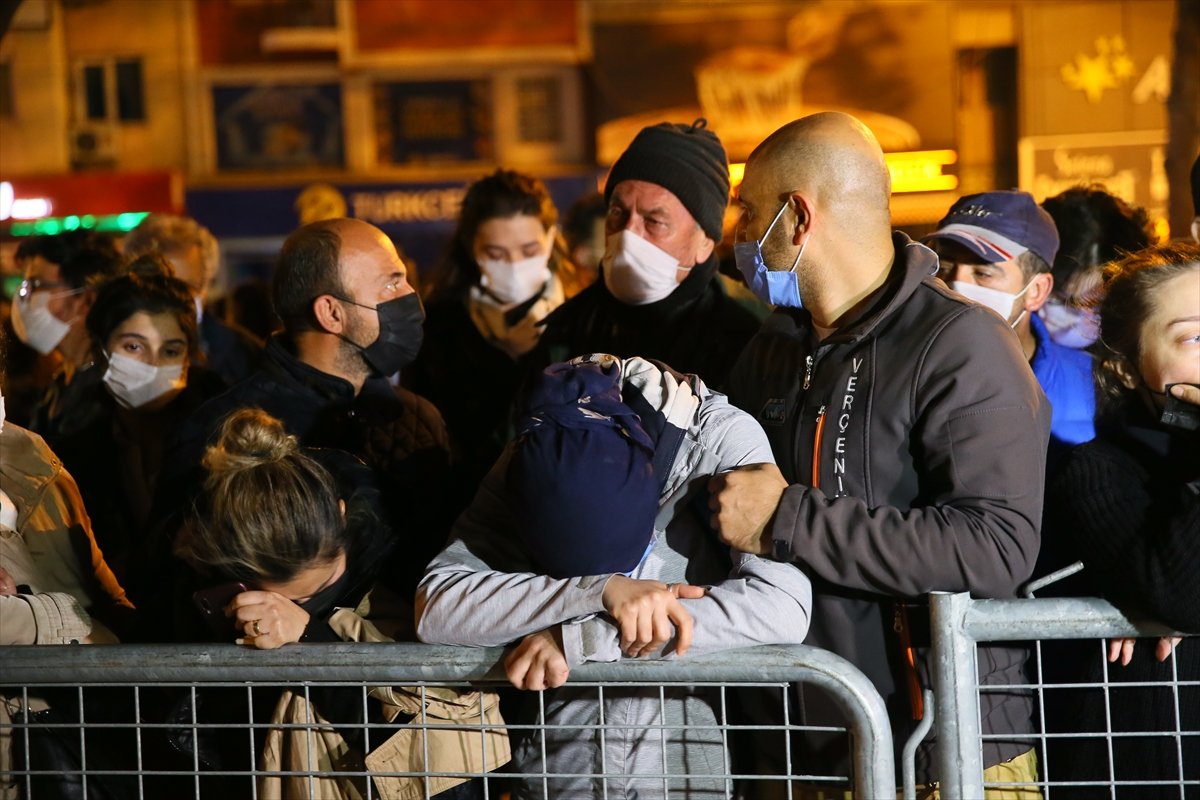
504, 272
143, 327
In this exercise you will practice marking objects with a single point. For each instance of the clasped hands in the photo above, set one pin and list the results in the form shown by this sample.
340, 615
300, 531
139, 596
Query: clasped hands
647, 613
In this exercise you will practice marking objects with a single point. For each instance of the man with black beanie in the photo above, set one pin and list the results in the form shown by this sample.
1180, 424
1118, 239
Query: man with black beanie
660, 296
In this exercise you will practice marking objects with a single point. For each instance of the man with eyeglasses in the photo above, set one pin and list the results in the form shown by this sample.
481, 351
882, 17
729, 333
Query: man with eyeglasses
49, 315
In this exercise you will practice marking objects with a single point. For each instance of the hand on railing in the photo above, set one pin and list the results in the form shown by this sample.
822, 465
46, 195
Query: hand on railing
1123, 648
538, 662
648, 614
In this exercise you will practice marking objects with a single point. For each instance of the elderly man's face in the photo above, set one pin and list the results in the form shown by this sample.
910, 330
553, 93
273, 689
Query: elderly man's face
657, 216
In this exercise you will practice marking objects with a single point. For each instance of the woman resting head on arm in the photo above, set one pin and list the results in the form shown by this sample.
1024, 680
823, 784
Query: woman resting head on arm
270, 519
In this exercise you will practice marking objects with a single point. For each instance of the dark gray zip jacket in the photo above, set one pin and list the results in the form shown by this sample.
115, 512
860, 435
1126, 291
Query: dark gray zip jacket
914, 440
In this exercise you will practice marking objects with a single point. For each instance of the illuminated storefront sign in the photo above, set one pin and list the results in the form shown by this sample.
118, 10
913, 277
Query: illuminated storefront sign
102, 201
1130, 165
13, 207
921, 171
912, 171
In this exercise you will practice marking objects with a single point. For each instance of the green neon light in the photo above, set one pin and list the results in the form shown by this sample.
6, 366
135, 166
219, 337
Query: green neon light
51, 226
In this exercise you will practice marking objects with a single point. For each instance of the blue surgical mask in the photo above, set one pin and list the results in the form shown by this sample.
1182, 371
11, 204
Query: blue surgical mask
776, 287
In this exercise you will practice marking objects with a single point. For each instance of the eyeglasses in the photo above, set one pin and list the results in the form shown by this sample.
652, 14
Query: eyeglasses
28, 287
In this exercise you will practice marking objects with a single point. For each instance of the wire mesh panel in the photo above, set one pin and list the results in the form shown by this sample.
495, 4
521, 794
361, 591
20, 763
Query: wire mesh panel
1105, 729
413, 721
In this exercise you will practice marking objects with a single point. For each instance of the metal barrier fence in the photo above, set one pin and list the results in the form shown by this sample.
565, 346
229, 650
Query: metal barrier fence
136, 672
960, 623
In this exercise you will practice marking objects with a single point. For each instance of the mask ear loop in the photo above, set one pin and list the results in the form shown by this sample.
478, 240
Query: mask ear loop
1016, 321
800, 255
767, 232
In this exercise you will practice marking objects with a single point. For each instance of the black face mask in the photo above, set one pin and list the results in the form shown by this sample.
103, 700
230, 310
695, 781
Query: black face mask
400, 333
323, 602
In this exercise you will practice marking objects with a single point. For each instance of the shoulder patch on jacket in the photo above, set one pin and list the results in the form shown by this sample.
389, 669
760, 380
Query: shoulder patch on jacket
774, 411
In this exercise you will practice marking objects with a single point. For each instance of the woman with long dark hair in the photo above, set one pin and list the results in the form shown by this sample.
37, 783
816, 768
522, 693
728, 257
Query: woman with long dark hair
505, 270
144, 338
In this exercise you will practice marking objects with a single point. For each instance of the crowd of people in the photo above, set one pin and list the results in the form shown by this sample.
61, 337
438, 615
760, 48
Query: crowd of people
664, 446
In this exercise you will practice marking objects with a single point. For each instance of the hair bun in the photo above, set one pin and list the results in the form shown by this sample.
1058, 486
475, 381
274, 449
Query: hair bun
150, 265
249, 438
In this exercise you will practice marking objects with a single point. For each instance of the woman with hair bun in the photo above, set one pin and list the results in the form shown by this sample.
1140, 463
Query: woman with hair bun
143, 330
273, 518
290, 541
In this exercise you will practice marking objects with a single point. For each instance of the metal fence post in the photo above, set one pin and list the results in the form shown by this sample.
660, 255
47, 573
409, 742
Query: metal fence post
955, 687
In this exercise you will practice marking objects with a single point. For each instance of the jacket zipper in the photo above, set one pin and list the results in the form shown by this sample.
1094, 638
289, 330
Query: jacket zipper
816, 456
915, 698
808, 369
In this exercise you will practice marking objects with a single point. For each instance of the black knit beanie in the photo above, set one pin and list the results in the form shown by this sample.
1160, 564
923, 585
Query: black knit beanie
688, 161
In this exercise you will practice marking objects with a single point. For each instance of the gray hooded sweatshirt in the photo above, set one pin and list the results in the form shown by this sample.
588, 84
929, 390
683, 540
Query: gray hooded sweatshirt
483, 590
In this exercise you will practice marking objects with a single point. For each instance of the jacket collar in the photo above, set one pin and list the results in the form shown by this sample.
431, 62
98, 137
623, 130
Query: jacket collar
27, 468
1139, 432
914, 263
691, 288
281, 356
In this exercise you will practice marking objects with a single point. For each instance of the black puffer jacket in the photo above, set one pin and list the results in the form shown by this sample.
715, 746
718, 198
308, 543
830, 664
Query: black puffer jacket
398, 434
118, 457
696, 329
914, 440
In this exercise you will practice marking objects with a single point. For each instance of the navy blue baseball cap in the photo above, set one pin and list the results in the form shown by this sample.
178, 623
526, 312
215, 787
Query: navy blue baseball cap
999, 226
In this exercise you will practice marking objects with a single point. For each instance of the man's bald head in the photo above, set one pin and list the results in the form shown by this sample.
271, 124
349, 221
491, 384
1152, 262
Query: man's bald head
831, 157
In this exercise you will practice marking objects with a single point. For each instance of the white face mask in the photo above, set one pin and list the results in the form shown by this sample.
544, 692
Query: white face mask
133, 383
515, 282
35, 325
636, 271
1071, 327
1000, 302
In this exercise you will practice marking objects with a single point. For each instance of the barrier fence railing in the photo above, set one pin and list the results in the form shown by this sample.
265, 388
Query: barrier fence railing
960, 623
305, 668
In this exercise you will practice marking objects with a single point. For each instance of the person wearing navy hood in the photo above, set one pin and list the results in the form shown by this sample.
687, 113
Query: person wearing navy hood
660, 295
585, 543
997, 248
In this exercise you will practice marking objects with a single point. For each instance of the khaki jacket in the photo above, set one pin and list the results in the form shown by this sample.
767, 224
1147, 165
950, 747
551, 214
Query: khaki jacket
474, 740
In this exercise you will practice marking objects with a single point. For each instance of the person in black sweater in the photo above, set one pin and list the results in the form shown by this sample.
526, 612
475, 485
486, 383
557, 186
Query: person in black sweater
1128, 503
660, 296
146, 348
504, 272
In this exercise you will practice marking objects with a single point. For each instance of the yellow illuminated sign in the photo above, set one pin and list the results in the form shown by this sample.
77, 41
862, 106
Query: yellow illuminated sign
921, 170
914, 171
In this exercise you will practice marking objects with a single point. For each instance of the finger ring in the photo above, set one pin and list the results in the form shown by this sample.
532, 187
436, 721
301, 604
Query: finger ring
257, 630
